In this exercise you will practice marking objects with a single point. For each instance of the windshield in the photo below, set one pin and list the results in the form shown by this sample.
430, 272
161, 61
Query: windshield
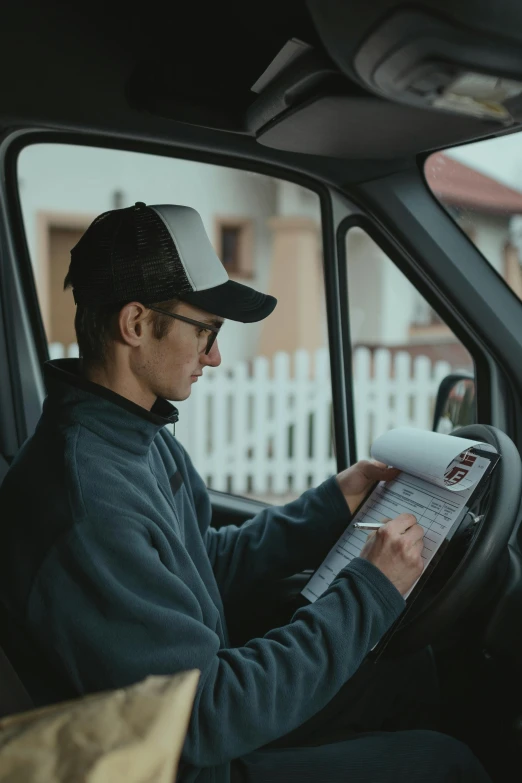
480, 185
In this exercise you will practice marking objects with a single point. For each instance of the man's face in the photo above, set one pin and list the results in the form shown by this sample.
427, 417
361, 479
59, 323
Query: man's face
168, 367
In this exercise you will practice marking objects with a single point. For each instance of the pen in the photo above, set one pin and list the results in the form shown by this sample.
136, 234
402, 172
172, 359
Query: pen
368, 525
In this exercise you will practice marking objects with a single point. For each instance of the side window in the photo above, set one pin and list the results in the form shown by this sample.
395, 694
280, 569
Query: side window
401, 347
260, 424
479, 186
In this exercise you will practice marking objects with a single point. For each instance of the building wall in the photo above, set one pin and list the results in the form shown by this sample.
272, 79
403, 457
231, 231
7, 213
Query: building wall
384, 305
489, 233
382, 300
365, 261
398, 304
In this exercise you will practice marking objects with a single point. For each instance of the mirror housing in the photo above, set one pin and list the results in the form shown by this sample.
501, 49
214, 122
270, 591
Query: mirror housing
455, 405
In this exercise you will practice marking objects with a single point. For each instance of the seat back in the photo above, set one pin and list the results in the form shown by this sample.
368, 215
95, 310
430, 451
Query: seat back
13, 696
4, 467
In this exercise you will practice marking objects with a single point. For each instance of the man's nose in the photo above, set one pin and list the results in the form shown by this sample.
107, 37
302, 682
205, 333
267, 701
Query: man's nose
212, 359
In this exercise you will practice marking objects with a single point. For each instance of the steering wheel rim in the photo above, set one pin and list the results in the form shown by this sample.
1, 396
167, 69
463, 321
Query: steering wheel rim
480, 560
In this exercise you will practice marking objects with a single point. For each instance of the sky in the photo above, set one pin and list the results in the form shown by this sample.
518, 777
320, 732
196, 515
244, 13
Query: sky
499, 158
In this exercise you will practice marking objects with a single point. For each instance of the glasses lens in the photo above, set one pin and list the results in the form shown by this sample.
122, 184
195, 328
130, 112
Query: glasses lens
210, 342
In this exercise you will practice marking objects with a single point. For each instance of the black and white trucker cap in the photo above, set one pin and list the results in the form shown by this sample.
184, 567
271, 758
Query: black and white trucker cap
155, 253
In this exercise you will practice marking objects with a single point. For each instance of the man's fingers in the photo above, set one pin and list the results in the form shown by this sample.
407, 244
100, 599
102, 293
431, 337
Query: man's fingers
416, 533
378, 471
402, 523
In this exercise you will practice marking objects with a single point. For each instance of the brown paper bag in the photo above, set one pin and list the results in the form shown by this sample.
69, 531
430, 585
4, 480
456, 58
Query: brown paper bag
133, 735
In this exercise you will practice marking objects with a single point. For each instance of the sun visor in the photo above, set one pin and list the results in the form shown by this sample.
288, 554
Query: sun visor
341, 126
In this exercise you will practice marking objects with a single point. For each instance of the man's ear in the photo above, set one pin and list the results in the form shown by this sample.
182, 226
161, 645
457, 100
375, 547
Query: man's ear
131, 321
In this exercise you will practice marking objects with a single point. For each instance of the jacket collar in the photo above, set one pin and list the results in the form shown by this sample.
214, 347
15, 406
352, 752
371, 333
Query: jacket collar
73, 399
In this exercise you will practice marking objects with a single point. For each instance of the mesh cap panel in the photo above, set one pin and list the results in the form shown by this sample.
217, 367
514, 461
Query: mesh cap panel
127, 254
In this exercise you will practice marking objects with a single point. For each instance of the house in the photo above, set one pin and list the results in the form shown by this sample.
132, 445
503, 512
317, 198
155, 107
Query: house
385, 308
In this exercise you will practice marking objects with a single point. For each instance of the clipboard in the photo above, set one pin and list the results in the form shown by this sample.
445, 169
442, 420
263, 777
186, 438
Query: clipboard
476, 496
440, 507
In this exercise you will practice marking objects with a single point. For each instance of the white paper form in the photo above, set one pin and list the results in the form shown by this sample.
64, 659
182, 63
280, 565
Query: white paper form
435, 508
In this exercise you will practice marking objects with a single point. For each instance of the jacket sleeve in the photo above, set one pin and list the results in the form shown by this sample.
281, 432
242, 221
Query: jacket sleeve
111, 612
279, 541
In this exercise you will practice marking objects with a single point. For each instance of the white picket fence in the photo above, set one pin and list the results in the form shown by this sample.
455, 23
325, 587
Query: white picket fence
265, 427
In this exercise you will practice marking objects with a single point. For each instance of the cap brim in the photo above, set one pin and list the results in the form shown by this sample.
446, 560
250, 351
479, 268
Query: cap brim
234, 301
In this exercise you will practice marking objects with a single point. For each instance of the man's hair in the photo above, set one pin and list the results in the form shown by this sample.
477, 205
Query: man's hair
94, 325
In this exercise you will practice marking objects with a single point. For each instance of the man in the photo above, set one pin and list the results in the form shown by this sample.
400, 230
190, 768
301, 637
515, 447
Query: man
110, 570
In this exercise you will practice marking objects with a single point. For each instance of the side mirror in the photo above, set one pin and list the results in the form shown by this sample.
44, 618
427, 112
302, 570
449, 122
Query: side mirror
455, 405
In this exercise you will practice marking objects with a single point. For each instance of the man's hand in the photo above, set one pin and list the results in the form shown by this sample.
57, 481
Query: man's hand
395, 549
356, 482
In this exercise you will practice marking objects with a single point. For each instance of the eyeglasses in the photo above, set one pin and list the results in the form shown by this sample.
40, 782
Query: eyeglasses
214, 330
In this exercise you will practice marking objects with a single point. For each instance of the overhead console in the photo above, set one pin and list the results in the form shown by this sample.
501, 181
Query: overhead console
427, 80
417, 58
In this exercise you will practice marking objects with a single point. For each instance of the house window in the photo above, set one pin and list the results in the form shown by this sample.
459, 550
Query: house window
230, 242
234, 245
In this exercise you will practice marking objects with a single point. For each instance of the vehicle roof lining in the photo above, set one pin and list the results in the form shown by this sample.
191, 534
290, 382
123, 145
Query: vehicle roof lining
68, 67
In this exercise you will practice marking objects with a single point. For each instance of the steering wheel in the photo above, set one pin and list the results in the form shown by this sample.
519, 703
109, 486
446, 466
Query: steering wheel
455, 584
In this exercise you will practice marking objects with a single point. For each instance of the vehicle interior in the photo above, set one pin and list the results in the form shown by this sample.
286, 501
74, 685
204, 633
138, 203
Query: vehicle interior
348, 99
